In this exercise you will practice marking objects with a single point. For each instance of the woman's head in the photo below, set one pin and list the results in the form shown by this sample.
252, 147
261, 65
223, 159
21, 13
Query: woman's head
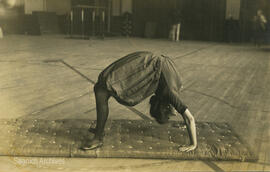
259, 12
160, 110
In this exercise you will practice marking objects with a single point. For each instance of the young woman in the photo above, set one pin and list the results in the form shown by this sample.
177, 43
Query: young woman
132, 79
260, 24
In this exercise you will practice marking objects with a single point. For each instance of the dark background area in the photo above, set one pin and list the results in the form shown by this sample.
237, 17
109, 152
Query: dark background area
200, 19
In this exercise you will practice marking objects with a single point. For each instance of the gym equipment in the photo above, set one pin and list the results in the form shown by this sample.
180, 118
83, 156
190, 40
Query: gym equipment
90, 19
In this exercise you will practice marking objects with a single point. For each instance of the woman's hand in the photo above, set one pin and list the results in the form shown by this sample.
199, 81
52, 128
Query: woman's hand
187, 148
191, 127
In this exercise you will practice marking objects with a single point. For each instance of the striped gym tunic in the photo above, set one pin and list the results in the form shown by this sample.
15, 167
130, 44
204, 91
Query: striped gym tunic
136, 76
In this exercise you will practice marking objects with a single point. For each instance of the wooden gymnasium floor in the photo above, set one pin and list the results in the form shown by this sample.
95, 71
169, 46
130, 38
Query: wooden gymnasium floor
50, 77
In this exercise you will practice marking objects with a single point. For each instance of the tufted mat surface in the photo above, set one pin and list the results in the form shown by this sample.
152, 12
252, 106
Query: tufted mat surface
123, 139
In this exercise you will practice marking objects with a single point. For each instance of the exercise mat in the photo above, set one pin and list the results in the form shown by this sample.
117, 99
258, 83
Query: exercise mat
123, 139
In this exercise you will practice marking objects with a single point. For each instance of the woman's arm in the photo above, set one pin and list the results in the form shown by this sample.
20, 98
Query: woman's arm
188, 118
191, 127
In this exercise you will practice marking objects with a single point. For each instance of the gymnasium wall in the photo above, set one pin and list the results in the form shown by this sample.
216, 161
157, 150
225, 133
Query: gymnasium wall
34, 5
201, 19
233, 9
58, 6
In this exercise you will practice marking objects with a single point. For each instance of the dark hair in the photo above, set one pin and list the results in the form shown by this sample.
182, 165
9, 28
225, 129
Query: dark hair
155, 104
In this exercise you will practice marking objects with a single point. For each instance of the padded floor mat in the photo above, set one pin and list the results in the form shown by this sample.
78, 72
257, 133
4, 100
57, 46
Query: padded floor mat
123, 139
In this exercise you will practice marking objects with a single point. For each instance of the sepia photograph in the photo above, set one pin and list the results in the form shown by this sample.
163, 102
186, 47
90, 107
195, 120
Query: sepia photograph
135, 85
